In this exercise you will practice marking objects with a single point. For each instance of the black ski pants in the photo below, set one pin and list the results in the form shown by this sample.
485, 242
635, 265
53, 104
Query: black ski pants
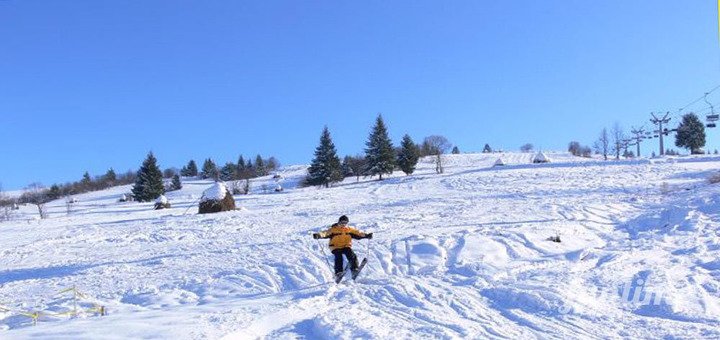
351, 257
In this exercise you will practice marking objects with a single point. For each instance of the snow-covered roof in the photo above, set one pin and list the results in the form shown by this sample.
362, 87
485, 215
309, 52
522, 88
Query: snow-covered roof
216, 192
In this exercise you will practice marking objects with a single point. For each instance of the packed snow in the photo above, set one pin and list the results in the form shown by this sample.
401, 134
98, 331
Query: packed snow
463, 254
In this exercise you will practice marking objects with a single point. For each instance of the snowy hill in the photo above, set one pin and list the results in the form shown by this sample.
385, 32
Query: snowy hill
464, 254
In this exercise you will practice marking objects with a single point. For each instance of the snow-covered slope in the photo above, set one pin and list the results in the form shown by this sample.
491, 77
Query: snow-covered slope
464, 254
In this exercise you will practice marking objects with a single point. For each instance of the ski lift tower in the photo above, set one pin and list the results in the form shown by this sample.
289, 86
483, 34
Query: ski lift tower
638, 138
660, 132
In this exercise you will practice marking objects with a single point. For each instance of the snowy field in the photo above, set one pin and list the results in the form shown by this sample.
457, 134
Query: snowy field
464, 254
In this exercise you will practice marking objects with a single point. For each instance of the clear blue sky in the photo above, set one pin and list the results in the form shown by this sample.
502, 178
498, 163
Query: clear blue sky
86, 85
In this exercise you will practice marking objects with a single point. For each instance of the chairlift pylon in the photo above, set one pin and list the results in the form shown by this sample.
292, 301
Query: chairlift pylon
712, 117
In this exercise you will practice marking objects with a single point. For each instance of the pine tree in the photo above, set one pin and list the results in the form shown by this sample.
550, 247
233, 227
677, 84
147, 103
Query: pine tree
86, 182
227, 173
487, 149
408, 156
260, 169
455, 150
176, 183
325, 168
690, 134
54, 192
249, 169
192, 168
210, 170
110, 177
380, 154
149, 183
240, 168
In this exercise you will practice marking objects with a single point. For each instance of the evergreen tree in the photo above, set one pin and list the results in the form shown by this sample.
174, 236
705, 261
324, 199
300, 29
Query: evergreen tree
110, 177
86, 182
227, 173
240, 168
149, 183
380, 154
455, 150
487, 149
249, 169
325, 167
210, 170
690, 134
260, 169
408, 156
54, 192
192, 168
176, 183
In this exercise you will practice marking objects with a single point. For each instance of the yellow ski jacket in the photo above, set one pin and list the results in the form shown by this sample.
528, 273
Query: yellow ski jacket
341, 236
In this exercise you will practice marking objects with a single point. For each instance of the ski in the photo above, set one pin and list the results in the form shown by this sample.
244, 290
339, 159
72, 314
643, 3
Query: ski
356, 273
339, 276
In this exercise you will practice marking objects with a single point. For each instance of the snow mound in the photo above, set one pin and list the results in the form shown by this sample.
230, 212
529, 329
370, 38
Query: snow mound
161, 200
478, 253
425, 256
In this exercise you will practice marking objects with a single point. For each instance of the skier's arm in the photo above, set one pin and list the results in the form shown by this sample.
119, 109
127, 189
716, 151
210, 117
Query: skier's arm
322, 234
358, 235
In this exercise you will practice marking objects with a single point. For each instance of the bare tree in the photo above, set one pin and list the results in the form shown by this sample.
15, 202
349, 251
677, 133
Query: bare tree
574, 148
6, 206
602, 145
37, 194
272, 164
354, 166
617, 135
437, 146
527, 147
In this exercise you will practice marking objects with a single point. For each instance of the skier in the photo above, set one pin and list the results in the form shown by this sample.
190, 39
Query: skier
341, 235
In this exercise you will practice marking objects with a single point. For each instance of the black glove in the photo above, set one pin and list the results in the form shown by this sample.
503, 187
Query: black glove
368, 235
316, 236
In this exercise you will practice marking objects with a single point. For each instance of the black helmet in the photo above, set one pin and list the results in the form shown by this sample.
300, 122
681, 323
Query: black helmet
343, 219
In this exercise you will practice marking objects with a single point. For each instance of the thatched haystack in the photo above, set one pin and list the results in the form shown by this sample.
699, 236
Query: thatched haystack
216, 199
541, 158
162, 203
